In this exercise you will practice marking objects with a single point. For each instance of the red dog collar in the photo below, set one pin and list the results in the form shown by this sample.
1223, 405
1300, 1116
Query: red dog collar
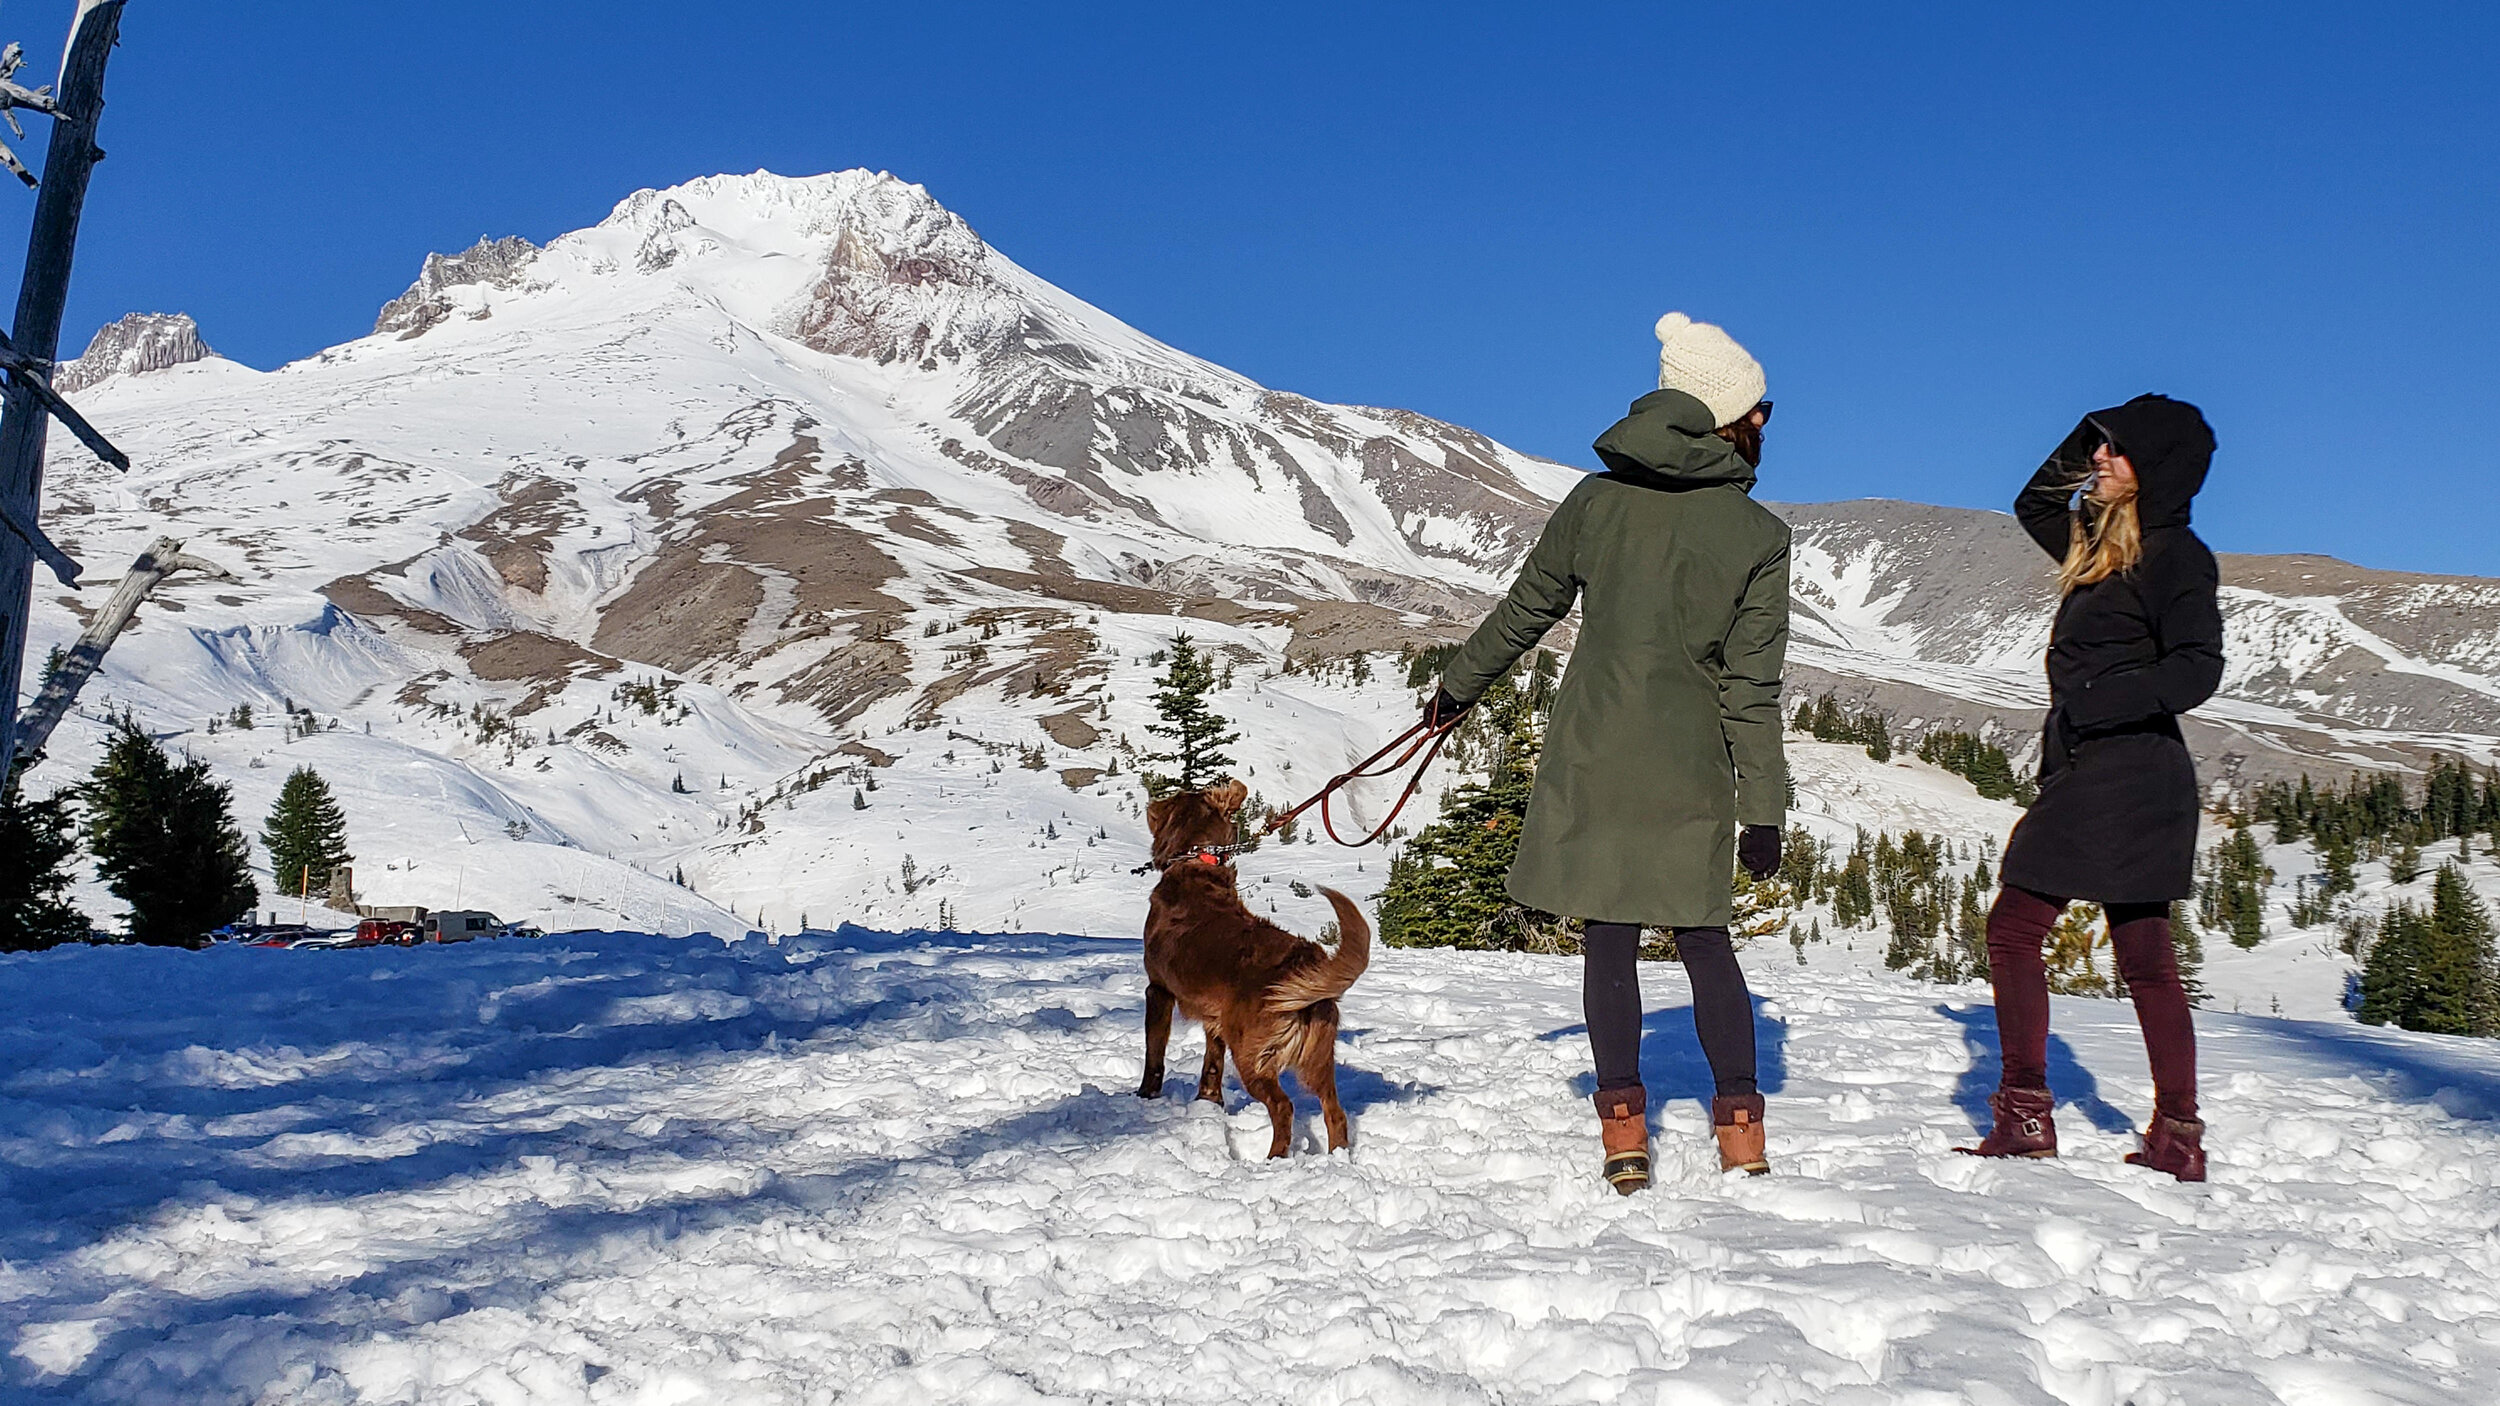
1208, 856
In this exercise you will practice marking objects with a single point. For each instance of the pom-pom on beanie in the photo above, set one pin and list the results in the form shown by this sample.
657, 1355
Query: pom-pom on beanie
1704, 362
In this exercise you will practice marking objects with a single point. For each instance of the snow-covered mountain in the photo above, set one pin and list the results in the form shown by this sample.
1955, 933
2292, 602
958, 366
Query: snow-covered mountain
590, 550
1942, 614
774, 532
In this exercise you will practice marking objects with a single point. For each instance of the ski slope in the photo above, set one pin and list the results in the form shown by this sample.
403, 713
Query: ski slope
866, 1168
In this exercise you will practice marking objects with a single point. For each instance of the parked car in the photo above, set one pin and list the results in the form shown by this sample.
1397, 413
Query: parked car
328, 941
262, 934
388, 931
518, 930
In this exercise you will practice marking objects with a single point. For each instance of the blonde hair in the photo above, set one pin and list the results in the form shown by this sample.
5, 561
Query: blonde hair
2104, 540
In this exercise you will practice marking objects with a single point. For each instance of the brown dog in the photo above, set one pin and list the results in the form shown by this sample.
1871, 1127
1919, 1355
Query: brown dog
1269, 996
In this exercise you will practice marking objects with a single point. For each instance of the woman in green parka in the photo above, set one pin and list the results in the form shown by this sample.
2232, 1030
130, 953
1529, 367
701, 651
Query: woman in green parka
1665, 735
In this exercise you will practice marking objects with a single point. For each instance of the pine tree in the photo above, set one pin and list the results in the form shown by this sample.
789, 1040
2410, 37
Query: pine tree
306, 834
1970, 925
2405, 865
38, 840
2236, 875
2463, 960
2190, 947
2433, 969
2391, 974
1446, 887
165, 841
2072, 954
2339, 878
1197, 733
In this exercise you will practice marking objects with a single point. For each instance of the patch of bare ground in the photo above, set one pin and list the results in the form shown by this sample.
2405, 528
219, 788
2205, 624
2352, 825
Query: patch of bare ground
1077, 778
865, 753
1047, 665
419, 692
1082, 493
1128, 600
1045, 547
1330, 629
903, 522
543, 661
923, 498
359, 596
659, 495
1070, 730
694, 602
853, 676
516, 537
681, 610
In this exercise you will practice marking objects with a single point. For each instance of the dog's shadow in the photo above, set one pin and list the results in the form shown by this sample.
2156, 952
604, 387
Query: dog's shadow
1359, 1090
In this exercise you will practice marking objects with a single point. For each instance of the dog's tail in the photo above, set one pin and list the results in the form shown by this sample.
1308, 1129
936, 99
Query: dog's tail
1306, 1039
1333, 975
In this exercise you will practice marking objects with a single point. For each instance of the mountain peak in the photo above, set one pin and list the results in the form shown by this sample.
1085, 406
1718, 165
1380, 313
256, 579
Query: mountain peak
494, 263
137, 343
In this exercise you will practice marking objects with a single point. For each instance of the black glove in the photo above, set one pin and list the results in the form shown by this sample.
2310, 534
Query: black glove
1441, 709
1758, 849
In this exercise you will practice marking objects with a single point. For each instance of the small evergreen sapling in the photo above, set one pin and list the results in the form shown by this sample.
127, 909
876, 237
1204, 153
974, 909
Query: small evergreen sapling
306, 834
1197, 734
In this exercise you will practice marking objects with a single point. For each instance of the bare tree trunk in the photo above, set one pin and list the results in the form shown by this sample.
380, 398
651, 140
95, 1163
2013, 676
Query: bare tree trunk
50, 243
163, 558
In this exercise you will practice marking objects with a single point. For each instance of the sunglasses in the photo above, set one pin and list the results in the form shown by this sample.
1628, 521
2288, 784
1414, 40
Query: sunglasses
1763, 410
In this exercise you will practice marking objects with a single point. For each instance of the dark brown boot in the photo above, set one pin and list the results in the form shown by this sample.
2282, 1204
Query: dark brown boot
2024, 1125
1623, 1124
2173, 1145
1737, 1121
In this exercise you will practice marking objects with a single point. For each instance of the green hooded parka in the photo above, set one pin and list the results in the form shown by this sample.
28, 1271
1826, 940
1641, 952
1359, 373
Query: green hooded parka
1665, 733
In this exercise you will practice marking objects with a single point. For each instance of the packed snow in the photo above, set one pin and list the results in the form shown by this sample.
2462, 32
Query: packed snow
860, 1167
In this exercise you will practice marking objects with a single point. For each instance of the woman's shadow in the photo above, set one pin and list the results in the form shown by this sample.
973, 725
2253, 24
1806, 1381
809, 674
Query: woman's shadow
2073, 1084
1672, 1064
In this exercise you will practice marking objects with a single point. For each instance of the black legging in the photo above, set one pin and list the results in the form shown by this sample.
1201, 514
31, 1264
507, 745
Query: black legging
1610, 992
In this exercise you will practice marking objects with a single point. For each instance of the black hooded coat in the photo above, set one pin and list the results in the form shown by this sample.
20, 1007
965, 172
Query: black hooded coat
2116, 817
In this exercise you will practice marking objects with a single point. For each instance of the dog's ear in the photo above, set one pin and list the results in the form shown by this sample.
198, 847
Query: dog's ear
1227, 795
1157, 812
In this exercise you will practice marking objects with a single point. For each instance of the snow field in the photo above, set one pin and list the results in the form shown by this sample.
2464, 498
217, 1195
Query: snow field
873, 1168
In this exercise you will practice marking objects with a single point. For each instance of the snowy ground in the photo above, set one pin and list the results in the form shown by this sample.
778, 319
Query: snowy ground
875, 1169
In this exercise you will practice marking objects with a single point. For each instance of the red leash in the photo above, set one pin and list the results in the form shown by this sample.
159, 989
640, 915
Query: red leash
1422, 739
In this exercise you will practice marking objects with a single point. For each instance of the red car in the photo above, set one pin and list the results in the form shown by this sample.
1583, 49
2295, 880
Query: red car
373, 932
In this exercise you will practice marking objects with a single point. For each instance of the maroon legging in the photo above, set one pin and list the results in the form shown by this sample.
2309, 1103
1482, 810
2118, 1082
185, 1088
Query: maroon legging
2020, 923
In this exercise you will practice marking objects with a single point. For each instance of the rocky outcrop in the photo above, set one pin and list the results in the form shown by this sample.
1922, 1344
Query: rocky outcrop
137, 344
489, 263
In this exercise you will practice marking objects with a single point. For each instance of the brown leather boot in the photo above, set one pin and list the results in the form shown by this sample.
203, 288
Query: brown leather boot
2173, 1145
1737, 1120
1623, 1124
2024, 1128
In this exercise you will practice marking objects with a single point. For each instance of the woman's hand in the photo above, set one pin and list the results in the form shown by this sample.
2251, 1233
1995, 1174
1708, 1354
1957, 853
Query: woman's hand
1441, 710
1758, 849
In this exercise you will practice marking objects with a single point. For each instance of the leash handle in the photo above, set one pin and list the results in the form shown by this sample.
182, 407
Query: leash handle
1423, 738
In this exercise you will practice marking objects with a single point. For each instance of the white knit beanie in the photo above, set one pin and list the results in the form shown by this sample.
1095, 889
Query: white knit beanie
1704, 362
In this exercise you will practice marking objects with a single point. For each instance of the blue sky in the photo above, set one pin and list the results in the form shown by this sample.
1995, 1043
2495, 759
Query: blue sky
1947, 234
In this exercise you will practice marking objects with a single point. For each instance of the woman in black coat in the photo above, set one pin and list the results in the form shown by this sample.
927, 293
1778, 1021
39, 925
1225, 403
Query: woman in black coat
2138, 641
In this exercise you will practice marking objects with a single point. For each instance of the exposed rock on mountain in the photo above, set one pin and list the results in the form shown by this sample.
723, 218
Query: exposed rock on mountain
489, 263
139, 343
